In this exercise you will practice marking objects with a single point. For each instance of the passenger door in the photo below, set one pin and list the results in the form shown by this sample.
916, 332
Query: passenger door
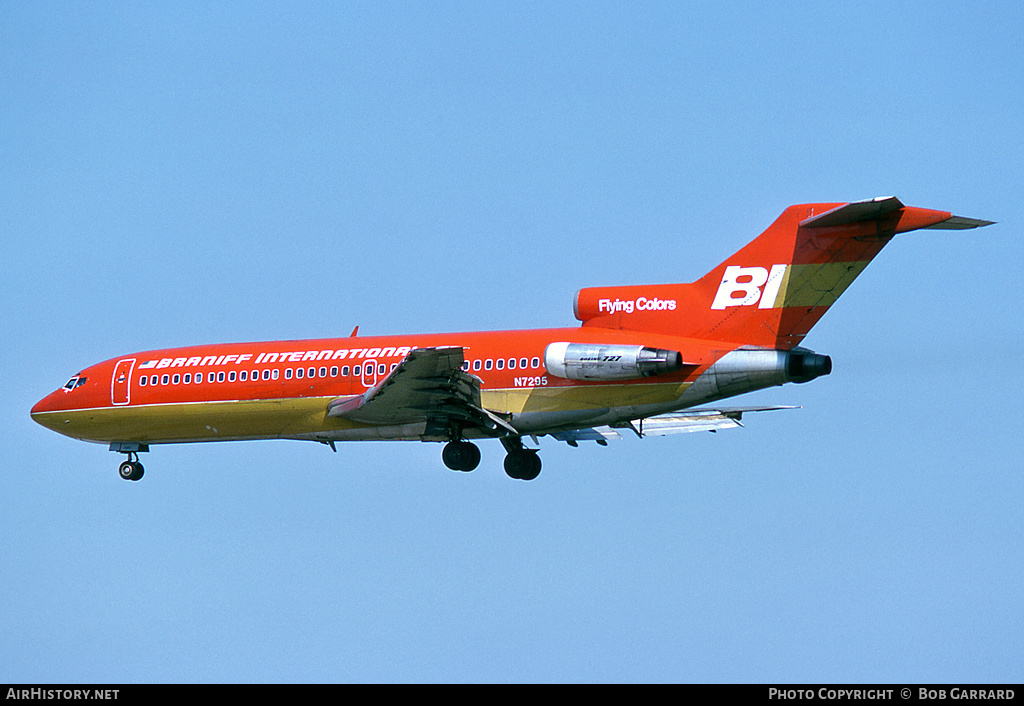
120, 383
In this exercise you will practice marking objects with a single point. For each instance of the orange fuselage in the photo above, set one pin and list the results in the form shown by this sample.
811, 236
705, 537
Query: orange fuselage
281, 389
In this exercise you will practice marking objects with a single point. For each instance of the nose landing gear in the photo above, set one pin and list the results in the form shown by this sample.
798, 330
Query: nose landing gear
131, 469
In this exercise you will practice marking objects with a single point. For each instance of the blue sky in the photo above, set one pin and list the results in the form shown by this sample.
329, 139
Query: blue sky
174, 174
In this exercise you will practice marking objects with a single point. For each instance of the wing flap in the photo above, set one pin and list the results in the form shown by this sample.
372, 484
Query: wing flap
666, 424
599, 434
430, 386
425, 380
695, 420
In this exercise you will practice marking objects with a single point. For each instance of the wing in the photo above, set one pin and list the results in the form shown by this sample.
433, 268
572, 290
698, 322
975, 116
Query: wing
663, 425
428, 385
695, 420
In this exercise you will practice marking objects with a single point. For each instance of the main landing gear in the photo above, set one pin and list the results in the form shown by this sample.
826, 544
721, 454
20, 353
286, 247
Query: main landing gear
520, 463
461, 455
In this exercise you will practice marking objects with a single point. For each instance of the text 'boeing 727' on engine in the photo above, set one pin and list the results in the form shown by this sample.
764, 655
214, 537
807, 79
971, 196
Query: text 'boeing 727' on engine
646, 358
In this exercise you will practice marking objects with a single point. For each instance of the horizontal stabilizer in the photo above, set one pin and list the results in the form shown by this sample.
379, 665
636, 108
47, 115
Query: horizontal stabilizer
854, 212
961, 223
872, 209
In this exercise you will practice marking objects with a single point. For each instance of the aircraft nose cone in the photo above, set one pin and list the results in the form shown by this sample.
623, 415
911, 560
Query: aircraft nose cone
43, 405
41, 410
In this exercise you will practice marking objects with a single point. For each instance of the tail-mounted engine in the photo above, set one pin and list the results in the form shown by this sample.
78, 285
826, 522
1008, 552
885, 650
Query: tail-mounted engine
746, 370
595, 361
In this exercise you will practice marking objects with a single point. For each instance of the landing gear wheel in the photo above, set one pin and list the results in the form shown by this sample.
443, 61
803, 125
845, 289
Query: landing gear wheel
130, 470
461, 456
522, 464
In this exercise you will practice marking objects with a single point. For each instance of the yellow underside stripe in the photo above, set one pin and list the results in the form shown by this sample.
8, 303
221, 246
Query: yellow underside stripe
284, 418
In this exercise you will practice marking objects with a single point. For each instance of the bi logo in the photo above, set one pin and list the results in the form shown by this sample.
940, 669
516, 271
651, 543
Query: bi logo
742, 286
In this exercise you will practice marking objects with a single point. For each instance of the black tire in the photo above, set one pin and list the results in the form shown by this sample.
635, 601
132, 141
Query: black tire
461, 455
126, 470
472, 456
523, 464
130, 470
533, 467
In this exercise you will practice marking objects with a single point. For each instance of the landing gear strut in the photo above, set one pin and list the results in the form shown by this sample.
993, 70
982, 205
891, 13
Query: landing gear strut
521, 463
461, 455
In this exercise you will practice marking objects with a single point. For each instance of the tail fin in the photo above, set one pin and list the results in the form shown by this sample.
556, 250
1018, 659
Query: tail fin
777, 287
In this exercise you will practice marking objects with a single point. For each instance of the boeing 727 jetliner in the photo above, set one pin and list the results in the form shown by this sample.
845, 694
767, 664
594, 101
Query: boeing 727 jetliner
643, 359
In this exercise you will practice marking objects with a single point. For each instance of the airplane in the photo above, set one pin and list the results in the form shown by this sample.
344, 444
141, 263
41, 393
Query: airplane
644, 358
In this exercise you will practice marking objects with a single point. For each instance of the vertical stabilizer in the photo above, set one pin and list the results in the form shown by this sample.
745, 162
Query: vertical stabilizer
772, 291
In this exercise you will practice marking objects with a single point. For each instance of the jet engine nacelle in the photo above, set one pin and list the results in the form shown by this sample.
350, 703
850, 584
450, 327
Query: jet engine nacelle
595, 361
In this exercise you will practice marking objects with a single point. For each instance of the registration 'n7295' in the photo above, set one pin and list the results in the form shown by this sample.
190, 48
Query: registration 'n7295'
531, 381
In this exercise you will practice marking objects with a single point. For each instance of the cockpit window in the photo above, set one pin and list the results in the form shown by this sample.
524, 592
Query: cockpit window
76, 381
